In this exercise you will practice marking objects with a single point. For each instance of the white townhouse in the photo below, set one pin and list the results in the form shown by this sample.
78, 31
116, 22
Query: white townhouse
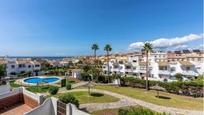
16, 66
159, 67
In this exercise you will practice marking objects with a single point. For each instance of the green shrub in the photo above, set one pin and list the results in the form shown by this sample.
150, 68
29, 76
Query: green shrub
53, 90
68, 86
186, 87
179, 77
138, 111
13, 84
69, 98
63, 82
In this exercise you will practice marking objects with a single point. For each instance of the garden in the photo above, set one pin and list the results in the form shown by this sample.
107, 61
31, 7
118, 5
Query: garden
135, 110
173, 100
188, 88
84, 97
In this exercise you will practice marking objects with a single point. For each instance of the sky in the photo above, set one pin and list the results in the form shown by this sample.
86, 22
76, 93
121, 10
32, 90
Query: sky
70, 27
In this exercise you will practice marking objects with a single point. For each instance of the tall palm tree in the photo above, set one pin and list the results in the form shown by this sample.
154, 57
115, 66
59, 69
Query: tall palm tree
108, 49
95, 48
147, 48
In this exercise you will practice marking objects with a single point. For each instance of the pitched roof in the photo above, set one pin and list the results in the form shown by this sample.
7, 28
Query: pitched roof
196, 50
186, 51
185, 63
142, 63
163, 63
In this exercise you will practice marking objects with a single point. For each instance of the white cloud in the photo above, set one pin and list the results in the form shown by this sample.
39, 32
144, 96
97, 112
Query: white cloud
169, 42
181, 47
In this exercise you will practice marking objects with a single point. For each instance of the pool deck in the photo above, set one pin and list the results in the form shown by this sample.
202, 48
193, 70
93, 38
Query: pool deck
19, 109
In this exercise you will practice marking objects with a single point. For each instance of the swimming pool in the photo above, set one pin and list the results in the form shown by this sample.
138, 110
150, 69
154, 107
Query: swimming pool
40, 79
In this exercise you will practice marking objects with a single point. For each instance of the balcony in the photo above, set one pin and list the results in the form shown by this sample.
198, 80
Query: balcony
128, 70
189, 73
164, 72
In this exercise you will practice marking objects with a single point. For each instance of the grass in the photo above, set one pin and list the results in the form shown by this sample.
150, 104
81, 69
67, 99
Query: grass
176, 101
39, 89
84, 97
132, 110
13, 84
106, 112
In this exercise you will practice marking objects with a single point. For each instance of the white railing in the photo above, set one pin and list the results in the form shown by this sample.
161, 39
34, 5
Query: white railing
46, 108
11, 93
165, 72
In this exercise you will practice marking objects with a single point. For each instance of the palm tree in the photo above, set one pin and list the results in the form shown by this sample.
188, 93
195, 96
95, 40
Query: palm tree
147, 48
108, 49
95, 48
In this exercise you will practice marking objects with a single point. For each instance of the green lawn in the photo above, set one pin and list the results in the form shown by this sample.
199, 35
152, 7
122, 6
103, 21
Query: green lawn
39, 89
83, 97
176, 101
132, 110
106, 112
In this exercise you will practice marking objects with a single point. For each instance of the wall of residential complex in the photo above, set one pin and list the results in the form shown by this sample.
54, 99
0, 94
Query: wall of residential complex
137, 67
16, 66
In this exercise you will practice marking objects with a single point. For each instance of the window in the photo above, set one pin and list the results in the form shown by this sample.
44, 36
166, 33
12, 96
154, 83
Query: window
20, 66
162, 67
12, 73
134, 61
12, 66
173, 69
29, 66
128, 67
188, 68
37, 65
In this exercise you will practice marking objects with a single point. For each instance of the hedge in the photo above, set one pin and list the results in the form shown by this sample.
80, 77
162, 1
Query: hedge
68, 86
53, 90
69, 98
188, 88
63, 82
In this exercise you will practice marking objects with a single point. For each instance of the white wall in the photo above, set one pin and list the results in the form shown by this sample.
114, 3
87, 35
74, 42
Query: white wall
46, 108
10, 93
4, 89
73, 110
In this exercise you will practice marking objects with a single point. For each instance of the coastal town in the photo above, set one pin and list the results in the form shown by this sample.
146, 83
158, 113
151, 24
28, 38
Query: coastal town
163, 65
101, 57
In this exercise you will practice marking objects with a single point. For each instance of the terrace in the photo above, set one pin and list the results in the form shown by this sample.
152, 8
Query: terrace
17, 101
19, 109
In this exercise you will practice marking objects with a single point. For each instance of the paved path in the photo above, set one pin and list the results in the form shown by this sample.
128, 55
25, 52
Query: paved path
128, 101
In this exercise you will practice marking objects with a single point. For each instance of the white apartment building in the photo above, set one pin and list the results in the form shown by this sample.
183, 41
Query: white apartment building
159, 67
16, 66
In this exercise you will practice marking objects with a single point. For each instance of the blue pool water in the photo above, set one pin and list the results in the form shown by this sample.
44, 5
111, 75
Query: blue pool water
35, 80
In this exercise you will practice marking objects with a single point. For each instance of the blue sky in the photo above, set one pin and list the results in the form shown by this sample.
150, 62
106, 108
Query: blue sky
69, 27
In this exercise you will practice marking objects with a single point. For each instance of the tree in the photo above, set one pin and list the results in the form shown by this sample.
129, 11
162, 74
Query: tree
108, 49
87, 71
117, 77
179, 77
2, 71
147, 48
95, 48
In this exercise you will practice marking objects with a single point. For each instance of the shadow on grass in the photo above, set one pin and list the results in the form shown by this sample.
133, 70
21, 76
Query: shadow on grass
163, 97
97, 94
84, 109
